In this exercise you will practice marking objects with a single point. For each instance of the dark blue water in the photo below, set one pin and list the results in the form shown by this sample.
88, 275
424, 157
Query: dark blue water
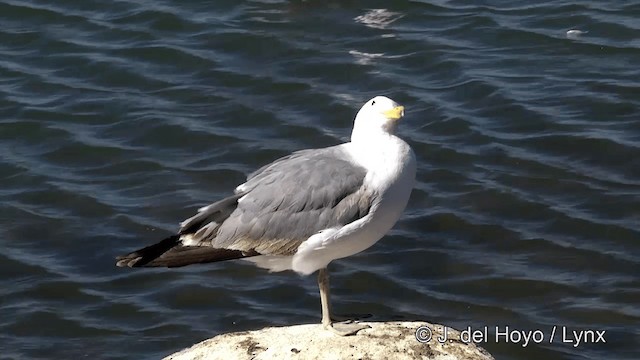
119, 119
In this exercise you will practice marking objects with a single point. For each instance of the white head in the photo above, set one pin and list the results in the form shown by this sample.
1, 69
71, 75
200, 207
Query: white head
379, 115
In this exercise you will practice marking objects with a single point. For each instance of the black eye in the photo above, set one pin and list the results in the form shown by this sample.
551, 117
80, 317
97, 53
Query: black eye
373, 102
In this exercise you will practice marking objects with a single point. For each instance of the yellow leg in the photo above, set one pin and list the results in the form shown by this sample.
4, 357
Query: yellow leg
344, 328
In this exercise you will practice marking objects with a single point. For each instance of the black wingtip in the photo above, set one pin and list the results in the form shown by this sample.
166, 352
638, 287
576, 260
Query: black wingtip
146, 255
170, 253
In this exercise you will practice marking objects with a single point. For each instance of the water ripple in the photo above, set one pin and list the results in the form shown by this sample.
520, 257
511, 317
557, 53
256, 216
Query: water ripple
120, 119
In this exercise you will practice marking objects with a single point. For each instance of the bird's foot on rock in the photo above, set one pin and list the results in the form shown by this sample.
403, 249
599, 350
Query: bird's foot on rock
345, 328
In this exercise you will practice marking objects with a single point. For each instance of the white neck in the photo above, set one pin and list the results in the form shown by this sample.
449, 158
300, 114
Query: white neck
375, 149
368, 137
370, 134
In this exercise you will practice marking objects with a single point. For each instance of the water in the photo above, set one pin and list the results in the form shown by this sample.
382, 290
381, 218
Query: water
119, 119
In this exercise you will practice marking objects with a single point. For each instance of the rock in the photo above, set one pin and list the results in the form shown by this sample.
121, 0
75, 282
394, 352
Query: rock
384, 340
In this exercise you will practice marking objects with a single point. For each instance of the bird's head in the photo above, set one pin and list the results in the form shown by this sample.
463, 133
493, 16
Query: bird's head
379, 114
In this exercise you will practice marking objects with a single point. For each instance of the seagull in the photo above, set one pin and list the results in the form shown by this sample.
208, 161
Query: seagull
304, 210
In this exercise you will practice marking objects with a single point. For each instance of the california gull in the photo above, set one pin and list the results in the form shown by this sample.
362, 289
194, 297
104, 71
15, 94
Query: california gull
304, 210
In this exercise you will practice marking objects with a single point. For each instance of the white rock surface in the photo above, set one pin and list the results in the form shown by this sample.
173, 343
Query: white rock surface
384, 340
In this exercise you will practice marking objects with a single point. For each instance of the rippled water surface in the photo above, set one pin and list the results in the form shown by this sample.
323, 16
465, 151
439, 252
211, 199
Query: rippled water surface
119, 118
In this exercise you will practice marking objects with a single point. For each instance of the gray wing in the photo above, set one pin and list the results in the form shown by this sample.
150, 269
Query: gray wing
284, 203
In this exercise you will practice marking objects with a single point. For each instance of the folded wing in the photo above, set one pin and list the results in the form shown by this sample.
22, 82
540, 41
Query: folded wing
276, 209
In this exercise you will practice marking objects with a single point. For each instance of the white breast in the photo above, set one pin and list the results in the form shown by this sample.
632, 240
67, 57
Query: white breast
391, 172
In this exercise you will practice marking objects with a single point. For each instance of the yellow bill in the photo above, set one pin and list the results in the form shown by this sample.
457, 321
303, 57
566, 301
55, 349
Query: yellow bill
395, 113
